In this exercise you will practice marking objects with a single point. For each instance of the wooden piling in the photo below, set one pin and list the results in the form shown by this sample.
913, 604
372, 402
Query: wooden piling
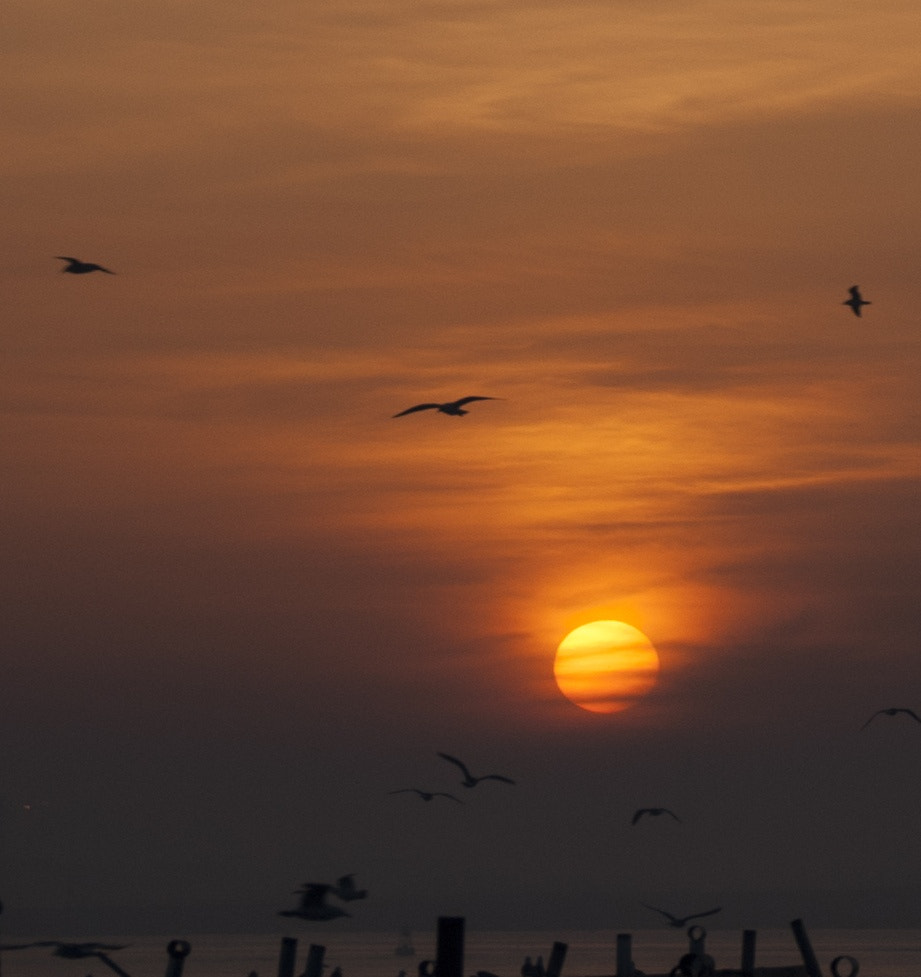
557, 956
748, 952
805, 948
177, 951
286, 956
315, 956
624, 955
449, 960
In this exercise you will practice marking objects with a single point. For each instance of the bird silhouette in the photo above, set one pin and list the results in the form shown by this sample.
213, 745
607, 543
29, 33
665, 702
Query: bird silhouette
426, 795
856, 300
78, 267
345, 889
679, 921
654, 811
892, 712
455, 407
313, 903
469, 780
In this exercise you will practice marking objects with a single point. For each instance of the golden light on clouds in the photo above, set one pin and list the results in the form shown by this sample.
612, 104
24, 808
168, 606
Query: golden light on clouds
605, 666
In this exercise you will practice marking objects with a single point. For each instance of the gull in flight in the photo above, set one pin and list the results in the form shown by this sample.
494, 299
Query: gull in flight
78, 267
455, 407
426, 795
679, 921
654, 811
891, 712
856, 300
345, 889
469, 780
313, 903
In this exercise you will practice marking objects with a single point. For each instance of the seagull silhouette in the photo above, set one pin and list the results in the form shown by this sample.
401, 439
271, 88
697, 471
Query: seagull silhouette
78, 267
856, 300
455, 407
426, 795
679, 921
654, 811
892, 712
469, 780
345, 889
313, 903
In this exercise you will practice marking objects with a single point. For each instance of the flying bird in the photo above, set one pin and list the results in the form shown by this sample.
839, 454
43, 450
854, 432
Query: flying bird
856, 300
313, 903
426, 795
654, 811
78, 267
892, 712
682, 920
469, 780
455, 407
345, 889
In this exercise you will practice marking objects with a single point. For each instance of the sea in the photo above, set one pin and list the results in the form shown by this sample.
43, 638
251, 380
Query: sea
872, 953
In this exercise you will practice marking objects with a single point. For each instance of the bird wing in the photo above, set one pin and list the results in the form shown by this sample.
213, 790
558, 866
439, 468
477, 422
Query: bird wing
441, 793
405, 790
63, 257
469, 400
497, 776
709, 912
672, 813
637, 815
667, 915
412, 410
454, 760
870, 720
913, 714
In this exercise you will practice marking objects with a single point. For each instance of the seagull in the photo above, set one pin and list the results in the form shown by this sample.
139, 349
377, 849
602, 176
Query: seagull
313, 903
891, 712
345, 889
856, 300
426, 795
78, 267
681, 921
469, 780
455, 407
70, 951
654, 811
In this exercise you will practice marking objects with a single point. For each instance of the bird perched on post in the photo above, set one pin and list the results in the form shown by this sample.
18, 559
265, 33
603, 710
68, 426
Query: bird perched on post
856, 300
454, 408
78, 267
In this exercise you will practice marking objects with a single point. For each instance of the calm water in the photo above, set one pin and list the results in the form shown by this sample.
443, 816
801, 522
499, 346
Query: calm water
880, 953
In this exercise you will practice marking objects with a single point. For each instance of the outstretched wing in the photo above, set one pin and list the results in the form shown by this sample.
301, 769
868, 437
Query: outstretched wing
655, 909
447, 756
709, 912
469, 400
441, 793
870, 720
496, 776
412, 410
636, 816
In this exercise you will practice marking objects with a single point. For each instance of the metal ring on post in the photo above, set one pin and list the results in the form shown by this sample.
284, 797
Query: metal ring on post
853, 972
427, 968
179, 949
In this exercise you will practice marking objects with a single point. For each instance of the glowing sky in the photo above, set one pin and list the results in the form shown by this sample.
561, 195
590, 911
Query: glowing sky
241, 602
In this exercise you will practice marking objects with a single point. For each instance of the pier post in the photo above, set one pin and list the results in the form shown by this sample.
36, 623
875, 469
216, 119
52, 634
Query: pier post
748, 952
315, 956
805, 949
624, 955
286, 956
177, 951
557, 956
449, 960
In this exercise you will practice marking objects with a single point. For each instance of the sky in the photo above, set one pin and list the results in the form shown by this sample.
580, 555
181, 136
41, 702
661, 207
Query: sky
242, 603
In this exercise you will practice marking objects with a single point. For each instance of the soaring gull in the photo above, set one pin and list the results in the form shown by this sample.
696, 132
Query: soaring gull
654, 811
78, 267
313, 904
469, 780
455, 407
892, 712
679, 921
856, 300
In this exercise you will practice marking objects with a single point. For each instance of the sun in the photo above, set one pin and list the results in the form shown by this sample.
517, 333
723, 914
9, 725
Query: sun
605, 666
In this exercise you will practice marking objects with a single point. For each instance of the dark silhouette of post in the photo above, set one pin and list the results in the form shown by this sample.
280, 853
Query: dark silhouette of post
177, 951
624, 955
748, 952
286, 956
315, 956
805, 948
557, 956
449, 960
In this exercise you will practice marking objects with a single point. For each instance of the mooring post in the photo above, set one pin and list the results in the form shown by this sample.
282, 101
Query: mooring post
177, 951
557, 956
805, 949
449, 960
286, 956
624, 955
315, 956
748, 952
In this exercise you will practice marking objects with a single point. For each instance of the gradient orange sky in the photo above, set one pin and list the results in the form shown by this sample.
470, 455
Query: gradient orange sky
242, 602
